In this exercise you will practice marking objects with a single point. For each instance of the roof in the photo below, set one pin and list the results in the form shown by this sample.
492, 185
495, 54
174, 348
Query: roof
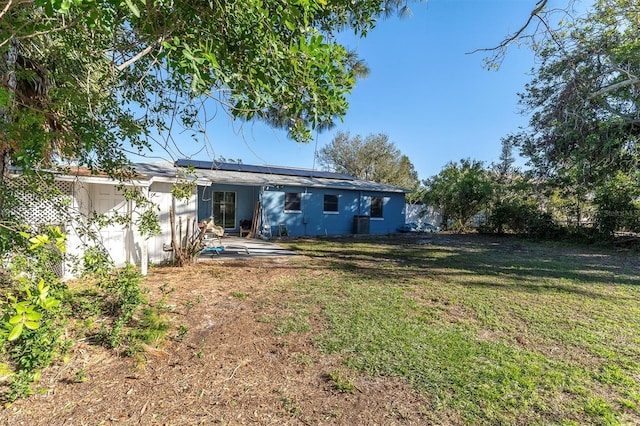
84, 174
250, 175
249, 168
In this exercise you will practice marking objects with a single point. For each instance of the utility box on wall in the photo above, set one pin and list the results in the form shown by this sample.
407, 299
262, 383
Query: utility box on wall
360, 224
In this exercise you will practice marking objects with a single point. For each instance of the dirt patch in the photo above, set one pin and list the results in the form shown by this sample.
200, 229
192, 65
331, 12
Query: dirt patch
228, 368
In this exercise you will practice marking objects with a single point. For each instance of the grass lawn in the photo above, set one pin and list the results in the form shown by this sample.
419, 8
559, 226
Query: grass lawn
491, 330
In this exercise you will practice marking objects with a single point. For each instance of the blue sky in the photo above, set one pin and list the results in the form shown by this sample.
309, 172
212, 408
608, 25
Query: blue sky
436, 102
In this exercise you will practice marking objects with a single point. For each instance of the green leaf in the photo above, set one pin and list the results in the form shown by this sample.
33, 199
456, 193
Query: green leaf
50, 303
33, 316
39, 241
21, 307
187, 54
15, 332
16, 319
212, 60
32, 325
65, 5
133, 8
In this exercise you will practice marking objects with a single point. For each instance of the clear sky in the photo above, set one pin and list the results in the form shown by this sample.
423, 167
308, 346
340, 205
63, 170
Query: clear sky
435, 102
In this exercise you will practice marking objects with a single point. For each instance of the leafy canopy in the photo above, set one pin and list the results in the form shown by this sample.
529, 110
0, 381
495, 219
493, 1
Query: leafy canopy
104, 75
461, 189
584, 98
372, 158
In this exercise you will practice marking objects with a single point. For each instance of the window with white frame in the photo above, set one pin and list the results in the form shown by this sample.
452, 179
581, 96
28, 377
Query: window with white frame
330, 203
292, 202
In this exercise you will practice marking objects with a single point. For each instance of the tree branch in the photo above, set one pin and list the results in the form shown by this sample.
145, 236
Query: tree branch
37, 33
616, 86
6, 8
506, 42
138, 56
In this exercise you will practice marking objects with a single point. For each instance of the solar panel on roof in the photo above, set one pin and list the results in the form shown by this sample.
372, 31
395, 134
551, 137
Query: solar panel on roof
249, 168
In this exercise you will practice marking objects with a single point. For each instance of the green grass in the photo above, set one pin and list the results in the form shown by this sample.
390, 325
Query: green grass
499, 331
340, 381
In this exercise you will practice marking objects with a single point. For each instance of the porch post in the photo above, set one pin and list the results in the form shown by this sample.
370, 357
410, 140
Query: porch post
144, 250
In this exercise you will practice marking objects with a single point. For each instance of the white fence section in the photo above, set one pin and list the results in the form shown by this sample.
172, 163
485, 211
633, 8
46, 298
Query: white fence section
423, 214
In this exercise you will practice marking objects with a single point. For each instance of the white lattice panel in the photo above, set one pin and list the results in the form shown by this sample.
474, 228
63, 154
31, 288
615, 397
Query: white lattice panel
46, 206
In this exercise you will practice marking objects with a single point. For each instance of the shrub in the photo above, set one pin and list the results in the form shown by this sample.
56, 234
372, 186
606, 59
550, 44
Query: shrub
521, 217
617, 210
123, 296
32, 323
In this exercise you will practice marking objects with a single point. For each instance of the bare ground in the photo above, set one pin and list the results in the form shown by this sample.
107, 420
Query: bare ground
229, 368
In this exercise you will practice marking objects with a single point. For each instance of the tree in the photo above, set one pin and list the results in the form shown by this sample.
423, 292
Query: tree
372, 158
585, 97
504, 168
155, 63
461, 190
58, 94
585, 103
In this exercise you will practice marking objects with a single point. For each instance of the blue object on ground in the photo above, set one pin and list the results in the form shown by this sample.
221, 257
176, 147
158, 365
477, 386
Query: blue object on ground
218, 249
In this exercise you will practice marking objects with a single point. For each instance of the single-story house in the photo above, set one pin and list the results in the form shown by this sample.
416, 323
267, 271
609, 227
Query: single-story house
272, 200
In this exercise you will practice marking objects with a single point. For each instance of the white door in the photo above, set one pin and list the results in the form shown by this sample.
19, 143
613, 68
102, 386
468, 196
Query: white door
108, 200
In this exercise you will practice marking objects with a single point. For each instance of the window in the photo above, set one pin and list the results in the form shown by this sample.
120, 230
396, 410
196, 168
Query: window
330, 203
376, 207
292, 202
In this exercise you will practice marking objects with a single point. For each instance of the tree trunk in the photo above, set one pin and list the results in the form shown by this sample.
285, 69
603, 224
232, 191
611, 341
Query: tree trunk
8, 68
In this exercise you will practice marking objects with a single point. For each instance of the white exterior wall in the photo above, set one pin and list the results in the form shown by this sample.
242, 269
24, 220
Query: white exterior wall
123, 243
80, 210
160, 194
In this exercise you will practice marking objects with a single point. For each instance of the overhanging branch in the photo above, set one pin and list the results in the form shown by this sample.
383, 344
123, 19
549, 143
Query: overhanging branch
614, 87
535, 13
138, 56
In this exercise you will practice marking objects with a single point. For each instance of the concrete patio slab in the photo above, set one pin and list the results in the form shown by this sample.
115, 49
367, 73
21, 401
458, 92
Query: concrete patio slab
237, 247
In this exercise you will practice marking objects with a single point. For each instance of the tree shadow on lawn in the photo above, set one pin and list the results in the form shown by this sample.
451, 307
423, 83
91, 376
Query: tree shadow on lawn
521, 264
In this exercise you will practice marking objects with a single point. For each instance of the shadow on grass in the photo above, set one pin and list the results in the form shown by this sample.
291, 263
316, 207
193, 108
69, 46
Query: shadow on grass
500, 262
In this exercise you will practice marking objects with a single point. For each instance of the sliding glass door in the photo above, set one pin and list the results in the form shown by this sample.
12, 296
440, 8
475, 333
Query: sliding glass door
224, 209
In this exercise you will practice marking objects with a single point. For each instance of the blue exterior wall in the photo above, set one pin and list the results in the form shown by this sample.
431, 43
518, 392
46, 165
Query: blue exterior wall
311, 220
246, 197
